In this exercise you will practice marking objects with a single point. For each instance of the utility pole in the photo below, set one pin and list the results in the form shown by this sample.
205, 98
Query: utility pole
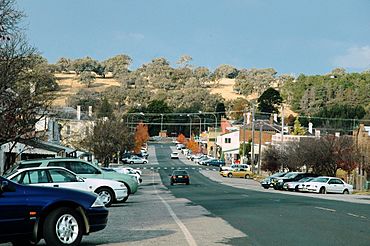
252, 147
282, 123
243, 150
259, 151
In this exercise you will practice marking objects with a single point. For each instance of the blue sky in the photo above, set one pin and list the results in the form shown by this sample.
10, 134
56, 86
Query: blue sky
291, 36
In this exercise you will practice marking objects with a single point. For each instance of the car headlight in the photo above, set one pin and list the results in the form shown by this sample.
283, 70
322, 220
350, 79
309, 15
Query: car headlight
98, 203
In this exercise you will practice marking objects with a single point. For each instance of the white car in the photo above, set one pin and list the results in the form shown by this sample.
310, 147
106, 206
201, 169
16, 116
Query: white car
135, 160
109, 191
328, 185
130, 171
174, 155
233, 166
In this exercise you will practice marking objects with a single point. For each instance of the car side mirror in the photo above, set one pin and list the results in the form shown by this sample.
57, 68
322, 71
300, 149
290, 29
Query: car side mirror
80, 179
5, 186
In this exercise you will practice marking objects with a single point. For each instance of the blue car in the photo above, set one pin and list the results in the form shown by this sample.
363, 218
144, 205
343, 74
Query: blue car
59, 216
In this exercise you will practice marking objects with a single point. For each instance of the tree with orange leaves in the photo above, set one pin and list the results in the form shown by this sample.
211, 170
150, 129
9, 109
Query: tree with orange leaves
141, 136
181, 138
193, 146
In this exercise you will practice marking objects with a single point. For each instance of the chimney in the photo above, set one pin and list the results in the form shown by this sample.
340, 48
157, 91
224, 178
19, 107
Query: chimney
337, 134
317, 133
248, 118
78, 112
90, 111
310, 125
275, 118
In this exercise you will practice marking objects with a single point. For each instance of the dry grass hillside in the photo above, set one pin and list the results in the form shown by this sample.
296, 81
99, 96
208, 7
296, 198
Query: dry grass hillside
70, 85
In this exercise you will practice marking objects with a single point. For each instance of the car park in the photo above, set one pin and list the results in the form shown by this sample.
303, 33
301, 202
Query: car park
109, 191
294, 185
328, 185
174, 155
237, 173
82, 168
267, 182
57, 215
278, 182
179, 176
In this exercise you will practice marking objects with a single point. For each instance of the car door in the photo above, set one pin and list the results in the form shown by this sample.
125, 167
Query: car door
332, 186
339, 186
237, 173
64, 179
14, 213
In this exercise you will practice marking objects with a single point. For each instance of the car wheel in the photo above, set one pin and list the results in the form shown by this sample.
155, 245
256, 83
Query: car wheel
346, 192
322, 190
266, 187
145, 162
63, 226
296, 188
128, 194
230, 175
171, 183
106, 195
247, 176
131, 162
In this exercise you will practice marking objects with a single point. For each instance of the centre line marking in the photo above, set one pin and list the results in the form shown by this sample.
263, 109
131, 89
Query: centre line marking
326, 209
189, 238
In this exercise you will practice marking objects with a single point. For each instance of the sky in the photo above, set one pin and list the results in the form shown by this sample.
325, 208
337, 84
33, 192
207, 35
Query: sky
291, 36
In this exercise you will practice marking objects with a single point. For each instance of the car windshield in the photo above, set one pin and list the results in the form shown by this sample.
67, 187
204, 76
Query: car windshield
275, 175
176, 173
291, 175
305, 179
320, 180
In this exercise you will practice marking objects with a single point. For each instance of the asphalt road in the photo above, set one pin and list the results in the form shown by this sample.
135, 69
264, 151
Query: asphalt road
207, 212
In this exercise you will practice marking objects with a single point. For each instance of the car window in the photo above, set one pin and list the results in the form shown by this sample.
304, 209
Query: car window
35, 177
59, 164
60, 176
18, 178
82, 168
321, 180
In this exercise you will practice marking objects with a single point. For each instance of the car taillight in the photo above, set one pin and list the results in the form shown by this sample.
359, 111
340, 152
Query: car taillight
173, 177
185, 176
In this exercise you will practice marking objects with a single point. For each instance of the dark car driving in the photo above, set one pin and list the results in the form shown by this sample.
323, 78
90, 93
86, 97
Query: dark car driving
180, 176
59, 216
266, 183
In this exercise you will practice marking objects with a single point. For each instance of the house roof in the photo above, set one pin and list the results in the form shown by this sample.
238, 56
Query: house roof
37, 143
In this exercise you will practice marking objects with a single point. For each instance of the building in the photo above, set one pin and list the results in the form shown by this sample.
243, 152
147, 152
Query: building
362, 174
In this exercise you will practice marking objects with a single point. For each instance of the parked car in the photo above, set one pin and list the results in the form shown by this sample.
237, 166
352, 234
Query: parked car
134, 159
237, 173
294, 185
328, 185
216, 163
174, 155
233, 166
109, 191
180, 176
29, 214
205, 161
82, 168
266, 183
180, 146
278, 182
125, 170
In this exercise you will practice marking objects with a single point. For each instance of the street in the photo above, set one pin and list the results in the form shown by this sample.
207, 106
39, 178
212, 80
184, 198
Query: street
207, 212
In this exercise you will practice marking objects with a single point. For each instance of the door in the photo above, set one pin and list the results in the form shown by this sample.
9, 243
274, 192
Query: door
334, 186
65, 179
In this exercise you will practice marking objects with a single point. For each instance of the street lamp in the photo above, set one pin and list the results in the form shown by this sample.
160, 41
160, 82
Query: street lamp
161, 122
190, 124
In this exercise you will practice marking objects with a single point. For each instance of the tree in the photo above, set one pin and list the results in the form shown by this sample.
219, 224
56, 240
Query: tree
87, 78
118, 64
251, 81
107, 138
105, 109
237, 106
270, 159
269, 101
25, 81
184, 60
64, 64
86, 64
298, 129
245, 148
193, 146
181, 138
141, 136
225, 71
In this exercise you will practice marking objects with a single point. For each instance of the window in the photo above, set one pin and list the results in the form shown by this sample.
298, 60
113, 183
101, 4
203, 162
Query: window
82, 168
68, 130
35, 177
227, 140
60, 176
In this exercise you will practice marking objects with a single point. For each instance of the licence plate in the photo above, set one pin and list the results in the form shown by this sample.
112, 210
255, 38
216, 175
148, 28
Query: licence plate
179, 176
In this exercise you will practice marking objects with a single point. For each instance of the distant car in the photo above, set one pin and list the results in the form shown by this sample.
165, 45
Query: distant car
136, 160
205, 161
215, 163
125, 170
174, 155
237, 173
325, 185
266, 183
180, 146
109, 191
294, 185
180, 176
59, 216
82, 168
278, 182
233, 166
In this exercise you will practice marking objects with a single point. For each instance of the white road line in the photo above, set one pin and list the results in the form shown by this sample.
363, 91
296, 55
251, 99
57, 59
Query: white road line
186, 168
151, 168
158, 168
165, 168
354, 215
326, 209
144, 167
172, 168
189, 238
193, 168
